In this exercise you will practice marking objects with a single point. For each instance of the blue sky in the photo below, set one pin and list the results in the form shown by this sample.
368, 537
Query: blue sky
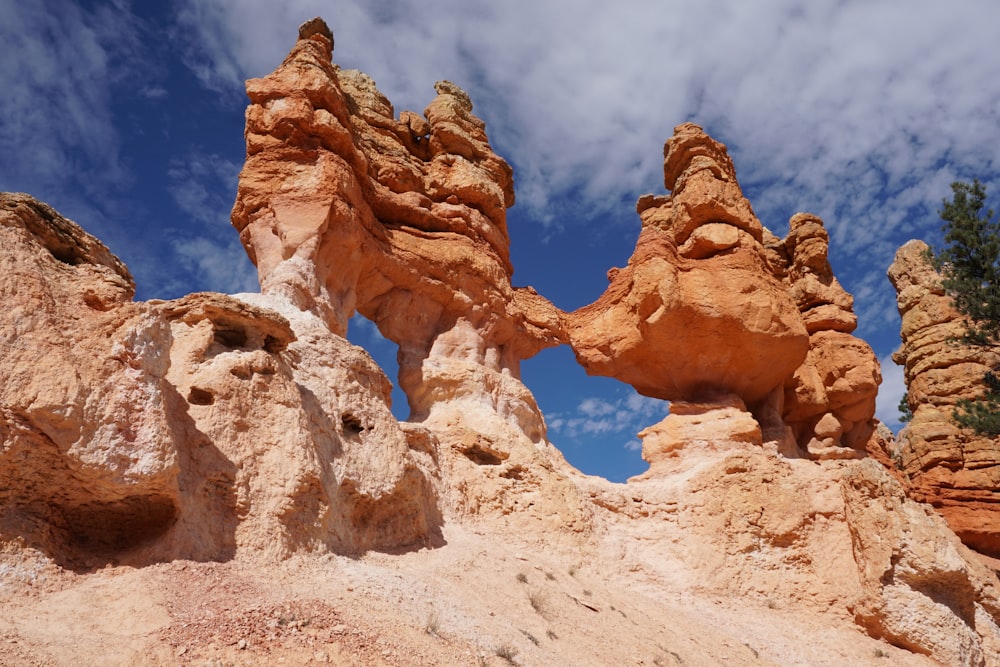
128, 118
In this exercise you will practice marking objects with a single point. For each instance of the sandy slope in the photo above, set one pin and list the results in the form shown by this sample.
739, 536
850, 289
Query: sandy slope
461, 604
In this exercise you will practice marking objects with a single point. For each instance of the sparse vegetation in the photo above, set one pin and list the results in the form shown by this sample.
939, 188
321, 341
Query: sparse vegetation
879, 653
531, 637
905, 413
522, 577
573, 570
551, 635
507, 652
433, 624
550, 576
969, 262
537, 600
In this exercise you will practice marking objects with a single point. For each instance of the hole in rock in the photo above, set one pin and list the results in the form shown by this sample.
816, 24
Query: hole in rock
231, 337
351, 423
98, 530
63, 250
482, 455
200, 396
363, 333
515, 472
593, 421
272, 345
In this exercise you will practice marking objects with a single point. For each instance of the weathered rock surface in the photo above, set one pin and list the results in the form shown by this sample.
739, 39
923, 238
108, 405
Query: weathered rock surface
218, 427
192, 428
834, 536
712, 306
345, 208
829, 401
953, 469
921, 588
697, 293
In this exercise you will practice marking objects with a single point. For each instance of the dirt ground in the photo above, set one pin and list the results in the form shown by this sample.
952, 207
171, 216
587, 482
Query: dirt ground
473, 601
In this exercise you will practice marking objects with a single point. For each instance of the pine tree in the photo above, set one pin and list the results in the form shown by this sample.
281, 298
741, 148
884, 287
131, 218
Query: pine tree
969, 263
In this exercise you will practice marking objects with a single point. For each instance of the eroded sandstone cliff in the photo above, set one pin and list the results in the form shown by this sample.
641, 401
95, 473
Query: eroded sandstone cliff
137, 432
706, 285
246, 428
951, 468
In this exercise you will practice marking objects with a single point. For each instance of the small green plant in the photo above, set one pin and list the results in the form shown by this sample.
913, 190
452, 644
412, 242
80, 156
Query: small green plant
522, 577
905, 413
507, 652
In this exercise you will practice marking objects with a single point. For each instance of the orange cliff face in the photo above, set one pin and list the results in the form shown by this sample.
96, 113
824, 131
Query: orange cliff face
955, 470
713, 310
344, 208
247, 428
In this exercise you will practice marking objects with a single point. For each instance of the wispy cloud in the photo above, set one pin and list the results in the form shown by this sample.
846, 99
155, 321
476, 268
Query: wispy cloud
892, 390
859, 112
606, 417
203, 186
213, 266
58, 123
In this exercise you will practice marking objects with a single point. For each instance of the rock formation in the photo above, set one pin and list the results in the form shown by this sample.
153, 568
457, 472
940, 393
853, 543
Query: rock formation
706, 285
135, 432
953, 469
830, 399
345, 208
697, 293
246, 428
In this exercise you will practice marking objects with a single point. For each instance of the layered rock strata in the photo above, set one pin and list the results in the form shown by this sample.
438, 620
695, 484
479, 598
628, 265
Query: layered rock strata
345, 208
192, 428
697, 293
714, 309
955, 470
829, 401
214, 426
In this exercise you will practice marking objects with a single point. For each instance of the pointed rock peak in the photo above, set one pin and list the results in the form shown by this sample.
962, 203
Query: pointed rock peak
316, 27
691, 150
449, 88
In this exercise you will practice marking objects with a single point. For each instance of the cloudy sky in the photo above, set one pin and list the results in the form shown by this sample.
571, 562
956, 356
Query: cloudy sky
128, 117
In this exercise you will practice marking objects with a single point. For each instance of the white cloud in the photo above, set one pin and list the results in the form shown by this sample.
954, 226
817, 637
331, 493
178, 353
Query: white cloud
595, 407
625, 414
58, 126
204, 187
892, 390
850, 110
216, 266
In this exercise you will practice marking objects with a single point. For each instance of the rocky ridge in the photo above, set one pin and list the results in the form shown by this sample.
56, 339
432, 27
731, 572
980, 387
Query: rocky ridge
953, 469
246, 430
